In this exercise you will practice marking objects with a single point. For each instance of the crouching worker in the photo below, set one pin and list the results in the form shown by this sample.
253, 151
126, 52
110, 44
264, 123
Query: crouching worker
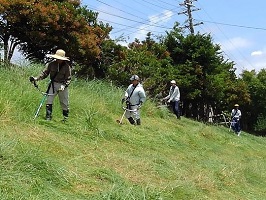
134, 97
60, 76
235, 122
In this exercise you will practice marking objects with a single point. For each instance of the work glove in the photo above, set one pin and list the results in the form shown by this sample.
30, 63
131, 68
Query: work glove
33, 79
128, 103
62, 88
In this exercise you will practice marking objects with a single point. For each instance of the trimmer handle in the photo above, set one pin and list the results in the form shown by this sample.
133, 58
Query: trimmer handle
32, 79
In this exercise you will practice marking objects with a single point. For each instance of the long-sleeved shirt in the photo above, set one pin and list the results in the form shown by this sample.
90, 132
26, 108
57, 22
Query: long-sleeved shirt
236, 113
174, 94
62, 72
138, 96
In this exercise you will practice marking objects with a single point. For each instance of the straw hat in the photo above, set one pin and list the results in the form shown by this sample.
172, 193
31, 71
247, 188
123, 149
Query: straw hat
172, 82
59, 54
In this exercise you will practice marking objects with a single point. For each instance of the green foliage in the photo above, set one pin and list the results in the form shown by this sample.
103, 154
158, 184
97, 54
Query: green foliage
205, 77
147, 59
260, 126
92, 157
255, 110
40, 28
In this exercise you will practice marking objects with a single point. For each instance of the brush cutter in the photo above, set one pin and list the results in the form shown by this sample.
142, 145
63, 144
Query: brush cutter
39, 108
45, 95
125, 110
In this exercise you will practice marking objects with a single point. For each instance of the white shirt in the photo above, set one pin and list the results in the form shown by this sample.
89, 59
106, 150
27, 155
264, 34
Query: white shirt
174, 94
236, 113
137, 96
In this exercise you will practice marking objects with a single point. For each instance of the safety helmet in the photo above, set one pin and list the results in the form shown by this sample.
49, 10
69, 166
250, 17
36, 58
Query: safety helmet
236, 105
134, 77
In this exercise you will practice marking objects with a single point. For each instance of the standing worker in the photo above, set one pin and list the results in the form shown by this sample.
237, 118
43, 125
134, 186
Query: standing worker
134, 97
235, 122
60, 75
173, 98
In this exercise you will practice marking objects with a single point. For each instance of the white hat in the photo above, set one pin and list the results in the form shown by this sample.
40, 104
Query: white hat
173, 81
59, 54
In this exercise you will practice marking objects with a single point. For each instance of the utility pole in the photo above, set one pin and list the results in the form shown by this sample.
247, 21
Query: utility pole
188, 4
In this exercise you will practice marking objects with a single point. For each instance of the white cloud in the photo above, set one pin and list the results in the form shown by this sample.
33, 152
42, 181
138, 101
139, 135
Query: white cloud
256, 53
153, 22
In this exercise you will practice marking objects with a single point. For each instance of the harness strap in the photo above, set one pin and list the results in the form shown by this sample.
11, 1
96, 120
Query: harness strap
52, 79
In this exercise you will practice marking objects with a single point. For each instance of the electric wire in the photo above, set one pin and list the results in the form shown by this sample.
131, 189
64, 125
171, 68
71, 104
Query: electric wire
240, 53
145, 24
132, 20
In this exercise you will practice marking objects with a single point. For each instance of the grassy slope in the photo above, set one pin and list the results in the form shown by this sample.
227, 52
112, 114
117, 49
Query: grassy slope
92, 157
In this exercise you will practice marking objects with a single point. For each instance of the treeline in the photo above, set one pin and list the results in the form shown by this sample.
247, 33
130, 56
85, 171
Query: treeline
205, 78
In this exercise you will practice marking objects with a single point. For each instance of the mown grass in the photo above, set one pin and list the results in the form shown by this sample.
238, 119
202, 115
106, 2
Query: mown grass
92, 157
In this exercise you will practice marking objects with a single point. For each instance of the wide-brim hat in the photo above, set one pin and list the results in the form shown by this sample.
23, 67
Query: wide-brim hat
59, 54
173, 82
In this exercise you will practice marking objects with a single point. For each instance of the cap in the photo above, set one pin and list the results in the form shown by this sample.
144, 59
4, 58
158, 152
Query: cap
236, 105
173, 81
134, 77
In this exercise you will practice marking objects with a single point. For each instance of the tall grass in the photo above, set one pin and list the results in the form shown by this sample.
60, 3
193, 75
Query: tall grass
92, 157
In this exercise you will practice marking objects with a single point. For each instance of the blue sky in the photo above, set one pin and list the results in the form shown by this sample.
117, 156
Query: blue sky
239, 26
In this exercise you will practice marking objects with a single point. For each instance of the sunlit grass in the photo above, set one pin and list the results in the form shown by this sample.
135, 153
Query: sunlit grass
92, 157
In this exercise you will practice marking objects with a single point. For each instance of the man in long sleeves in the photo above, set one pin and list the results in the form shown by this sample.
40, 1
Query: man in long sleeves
173, 98
236, 116
134, 97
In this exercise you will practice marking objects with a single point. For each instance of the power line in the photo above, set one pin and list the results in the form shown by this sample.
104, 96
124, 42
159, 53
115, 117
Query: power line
229, 41
139, 22
235, 25
127, 26
119, 9
166, 3
131, 8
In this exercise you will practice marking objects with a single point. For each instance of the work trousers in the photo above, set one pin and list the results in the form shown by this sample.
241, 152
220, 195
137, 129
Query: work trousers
236, 125
175, 107
134, 114
63, 95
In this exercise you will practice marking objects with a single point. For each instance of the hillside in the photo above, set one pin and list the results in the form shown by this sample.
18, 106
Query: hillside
93, 157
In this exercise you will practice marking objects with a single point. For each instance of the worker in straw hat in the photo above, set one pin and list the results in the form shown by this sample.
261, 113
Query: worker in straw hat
60, 76
235, 119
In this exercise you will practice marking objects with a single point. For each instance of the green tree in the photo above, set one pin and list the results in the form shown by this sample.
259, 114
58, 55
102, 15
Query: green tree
38, 28
148, 59
255, 111
205, 77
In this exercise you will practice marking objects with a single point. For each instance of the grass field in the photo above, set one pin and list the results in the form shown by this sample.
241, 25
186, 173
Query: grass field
93, 157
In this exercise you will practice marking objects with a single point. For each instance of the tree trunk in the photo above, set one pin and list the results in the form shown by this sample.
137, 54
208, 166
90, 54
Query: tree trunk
10, 45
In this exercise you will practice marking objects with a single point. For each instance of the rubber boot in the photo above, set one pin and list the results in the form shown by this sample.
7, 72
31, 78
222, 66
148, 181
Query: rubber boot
131, 120
49, 110
138, 121
65, 115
